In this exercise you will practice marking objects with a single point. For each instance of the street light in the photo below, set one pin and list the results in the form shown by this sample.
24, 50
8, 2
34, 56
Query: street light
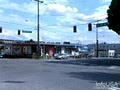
38, 27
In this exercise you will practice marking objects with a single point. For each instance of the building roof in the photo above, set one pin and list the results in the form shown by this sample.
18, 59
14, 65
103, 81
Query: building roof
20, 42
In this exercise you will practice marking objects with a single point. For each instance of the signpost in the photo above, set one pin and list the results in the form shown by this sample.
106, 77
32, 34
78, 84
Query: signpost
102, 24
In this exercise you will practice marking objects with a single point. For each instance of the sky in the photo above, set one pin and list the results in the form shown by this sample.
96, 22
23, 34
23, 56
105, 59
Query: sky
57, 18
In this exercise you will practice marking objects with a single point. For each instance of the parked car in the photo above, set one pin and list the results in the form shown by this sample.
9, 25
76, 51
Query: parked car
61, 56
1, 55
89, 56
118, 56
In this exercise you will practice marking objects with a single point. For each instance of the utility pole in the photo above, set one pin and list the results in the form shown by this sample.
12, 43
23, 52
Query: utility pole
38, 28
97, 47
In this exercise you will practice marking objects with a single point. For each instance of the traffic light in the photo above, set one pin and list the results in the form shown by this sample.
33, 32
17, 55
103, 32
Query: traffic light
89, 27
0, 29
74, 29
18, 32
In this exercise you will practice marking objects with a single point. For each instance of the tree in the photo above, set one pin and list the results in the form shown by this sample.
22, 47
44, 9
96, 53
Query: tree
31, 40
114, 16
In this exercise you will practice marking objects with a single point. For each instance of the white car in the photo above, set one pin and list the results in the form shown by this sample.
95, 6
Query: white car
1, 55
61, 56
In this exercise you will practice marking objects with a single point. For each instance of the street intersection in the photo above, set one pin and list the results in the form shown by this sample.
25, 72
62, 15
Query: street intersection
31, 74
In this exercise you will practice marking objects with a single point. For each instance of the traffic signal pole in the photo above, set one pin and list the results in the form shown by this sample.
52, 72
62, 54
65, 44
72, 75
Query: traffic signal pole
97, 44
90, 29
97, 41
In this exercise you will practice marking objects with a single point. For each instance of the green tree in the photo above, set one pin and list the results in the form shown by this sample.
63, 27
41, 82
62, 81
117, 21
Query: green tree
31, 40
114, 16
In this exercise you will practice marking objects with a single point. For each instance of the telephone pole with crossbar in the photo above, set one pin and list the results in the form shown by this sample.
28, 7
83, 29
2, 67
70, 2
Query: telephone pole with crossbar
38, 28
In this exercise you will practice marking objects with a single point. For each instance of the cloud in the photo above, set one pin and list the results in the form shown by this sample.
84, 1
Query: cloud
100, 13
73, 17
29, 7
1, 11
12, 36
102, 9
56, 1
105, 1
60, 10
6, 4
56, 9
48, 36
53, 9
15, 21
63, 14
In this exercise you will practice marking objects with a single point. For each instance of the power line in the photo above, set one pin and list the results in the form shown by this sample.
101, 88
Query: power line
10, 23
60, 33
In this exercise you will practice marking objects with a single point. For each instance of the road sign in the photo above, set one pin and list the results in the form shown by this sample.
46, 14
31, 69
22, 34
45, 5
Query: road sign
23, 31
102, 24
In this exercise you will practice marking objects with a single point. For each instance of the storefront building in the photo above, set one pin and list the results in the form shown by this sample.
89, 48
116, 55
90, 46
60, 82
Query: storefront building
22, 48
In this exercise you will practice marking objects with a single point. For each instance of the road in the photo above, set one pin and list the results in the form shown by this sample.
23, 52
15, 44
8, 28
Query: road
28, 74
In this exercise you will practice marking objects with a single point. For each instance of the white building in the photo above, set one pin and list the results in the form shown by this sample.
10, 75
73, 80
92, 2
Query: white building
104, 49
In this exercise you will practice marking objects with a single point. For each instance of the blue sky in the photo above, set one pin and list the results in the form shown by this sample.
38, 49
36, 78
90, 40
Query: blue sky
57, 18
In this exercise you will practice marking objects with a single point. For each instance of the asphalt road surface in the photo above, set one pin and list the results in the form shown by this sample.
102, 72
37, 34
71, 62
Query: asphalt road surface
28, 74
